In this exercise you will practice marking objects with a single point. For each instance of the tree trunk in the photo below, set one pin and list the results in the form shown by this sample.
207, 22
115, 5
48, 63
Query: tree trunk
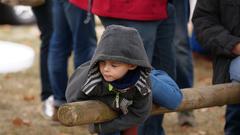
85, 112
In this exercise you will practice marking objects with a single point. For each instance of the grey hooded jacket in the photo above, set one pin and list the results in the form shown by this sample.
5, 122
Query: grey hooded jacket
118, 43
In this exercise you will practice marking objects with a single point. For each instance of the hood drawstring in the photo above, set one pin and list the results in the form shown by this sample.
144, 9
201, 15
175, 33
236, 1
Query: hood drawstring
88, 18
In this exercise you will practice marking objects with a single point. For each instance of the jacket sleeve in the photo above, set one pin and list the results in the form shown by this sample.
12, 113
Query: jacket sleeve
210, 32
165, 91
137, 114
75, 83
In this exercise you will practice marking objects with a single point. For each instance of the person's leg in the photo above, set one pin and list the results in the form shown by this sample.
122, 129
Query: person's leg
232, 125
183, 48
164, 59
164, 51
147, 31
43, 15
232, 116
152, 126
60, 50
234, 70
84, 35
184, 69
165, 91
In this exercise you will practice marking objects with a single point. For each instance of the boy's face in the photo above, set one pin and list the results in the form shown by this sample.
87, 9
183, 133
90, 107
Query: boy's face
113, 70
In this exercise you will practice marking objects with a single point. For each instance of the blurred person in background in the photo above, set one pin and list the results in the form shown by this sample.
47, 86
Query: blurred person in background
184, 66
156, 27
217, 28
43, 14
70, 34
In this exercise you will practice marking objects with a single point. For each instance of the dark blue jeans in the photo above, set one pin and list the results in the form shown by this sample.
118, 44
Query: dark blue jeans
158, 41
43, 15
232, 116
234, 69
70, 34
183, 48
232, 125
164, 59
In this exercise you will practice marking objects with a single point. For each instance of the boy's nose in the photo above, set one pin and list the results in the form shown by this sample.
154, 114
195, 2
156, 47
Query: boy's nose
106, 68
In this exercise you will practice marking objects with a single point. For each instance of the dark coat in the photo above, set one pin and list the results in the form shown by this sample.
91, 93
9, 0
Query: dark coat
122, 44
217, 28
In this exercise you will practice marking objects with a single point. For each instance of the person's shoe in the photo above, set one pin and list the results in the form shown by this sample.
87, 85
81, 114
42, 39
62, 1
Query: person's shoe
186, 119
48, 108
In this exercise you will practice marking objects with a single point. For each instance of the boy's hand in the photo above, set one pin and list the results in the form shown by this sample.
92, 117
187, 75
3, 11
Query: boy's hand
236, 49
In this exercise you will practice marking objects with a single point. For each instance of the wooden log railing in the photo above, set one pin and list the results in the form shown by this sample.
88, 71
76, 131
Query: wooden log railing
85, 112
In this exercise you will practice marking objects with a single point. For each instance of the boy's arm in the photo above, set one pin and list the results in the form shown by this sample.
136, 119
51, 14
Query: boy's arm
210, 32
165, 91
137, 113
75, 83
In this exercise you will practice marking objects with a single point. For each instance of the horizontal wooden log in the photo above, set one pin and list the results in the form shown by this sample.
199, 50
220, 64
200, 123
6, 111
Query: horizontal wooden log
23, 2
85, 112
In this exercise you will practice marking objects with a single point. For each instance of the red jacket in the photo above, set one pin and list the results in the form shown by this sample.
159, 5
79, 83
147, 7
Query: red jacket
142, 10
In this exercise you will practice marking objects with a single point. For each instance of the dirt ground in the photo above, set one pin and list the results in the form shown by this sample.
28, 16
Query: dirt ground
20, 103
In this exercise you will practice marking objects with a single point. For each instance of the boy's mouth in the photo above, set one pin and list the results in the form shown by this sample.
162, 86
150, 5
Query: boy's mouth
107, 77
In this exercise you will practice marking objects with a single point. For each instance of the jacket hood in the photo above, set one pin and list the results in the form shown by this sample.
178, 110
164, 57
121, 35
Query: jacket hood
122, 44
117, 43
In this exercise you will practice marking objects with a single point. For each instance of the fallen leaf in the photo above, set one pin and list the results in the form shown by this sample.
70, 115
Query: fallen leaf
28, 98
7, 76
17, 122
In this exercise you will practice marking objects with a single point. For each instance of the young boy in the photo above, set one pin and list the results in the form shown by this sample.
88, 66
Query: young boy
119, 76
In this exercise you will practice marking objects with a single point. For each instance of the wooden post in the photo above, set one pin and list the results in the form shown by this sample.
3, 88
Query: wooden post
85, 112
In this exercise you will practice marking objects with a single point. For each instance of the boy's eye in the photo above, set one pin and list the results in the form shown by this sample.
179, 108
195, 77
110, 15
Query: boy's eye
114, 65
